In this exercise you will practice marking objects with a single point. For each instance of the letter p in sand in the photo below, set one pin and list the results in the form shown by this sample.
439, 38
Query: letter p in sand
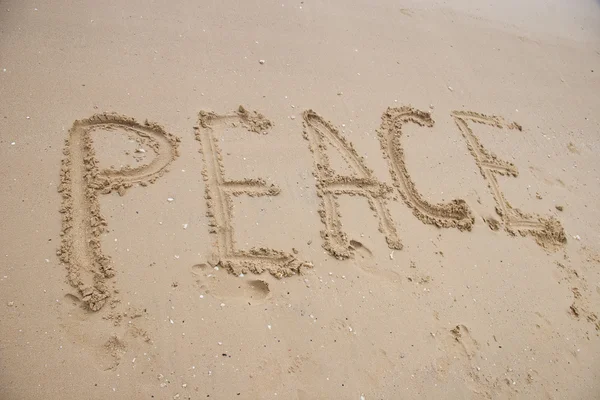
81, 182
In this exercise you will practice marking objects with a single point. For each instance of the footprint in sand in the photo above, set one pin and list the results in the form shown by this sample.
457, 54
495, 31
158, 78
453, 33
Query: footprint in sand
360, 249
86, 333
72, 299
461, 342
459, 356
222, 285
364, 260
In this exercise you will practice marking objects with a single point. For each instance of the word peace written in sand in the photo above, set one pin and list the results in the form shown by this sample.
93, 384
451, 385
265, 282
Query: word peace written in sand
82, 182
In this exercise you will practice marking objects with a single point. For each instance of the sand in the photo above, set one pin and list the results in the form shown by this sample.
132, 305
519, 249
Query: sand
300, 200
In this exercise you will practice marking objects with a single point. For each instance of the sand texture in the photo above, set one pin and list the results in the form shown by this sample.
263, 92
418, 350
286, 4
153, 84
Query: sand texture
300, 200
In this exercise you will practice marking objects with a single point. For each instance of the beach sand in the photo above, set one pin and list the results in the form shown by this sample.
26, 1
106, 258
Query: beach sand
299, 200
